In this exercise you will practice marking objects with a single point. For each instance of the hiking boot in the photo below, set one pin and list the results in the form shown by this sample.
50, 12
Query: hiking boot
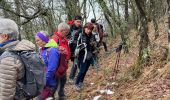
49, 98
62, 98
81, 85
77, 88
71, 81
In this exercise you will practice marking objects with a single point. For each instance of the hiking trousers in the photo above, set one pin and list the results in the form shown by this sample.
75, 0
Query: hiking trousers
61, 85
73, 71
104, 45
83, 70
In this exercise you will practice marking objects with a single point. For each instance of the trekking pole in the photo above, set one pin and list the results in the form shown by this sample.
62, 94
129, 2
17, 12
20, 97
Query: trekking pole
115, 70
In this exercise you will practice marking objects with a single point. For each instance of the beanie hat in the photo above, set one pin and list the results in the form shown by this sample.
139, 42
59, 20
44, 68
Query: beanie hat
93, 20
89, 26
42, 37
77, 18
8, 26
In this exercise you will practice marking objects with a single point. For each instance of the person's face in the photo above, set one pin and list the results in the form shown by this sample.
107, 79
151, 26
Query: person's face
87, 31
39, 42
77, 23
65, 32
3, 38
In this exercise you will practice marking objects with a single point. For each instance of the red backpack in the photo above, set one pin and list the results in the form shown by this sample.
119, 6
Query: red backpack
63, 62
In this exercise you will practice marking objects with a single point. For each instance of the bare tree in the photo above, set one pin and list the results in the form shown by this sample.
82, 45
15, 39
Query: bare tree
143, 57
154, 17
109, 13
72, 8
168, 2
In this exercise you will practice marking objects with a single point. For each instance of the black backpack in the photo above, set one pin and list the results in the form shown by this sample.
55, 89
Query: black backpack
33, 80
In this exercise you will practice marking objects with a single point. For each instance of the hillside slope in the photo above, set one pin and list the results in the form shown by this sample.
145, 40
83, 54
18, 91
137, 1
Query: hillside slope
153, 84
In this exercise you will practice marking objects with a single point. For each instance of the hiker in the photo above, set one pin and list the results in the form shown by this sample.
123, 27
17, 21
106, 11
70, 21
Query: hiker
98, 28
11, 67
60, 38
74, 33
86, 43
50, 54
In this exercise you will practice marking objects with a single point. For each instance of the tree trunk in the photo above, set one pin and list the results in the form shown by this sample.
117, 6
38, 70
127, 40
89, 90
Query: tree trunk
126, 10
93, 8
72, 8
18, 6
144, 39
126, 28
109, 23
143, 57
153, 14
113, 12
118, 14
50, 21
105, 9
134, 14
85, 10
168, 2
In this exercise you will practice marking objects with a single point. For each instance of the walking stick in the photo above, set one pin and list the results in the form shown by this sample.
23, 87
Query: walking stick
115, 70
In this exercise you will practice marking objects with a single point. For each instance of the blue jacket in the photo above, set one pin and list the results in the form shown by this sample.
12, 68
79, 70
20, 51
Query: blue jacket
51, 58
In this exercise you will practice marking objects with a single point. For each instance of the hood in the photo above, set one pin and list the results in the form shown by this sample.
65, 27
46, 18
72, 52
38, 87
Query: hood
51, 43
23, 45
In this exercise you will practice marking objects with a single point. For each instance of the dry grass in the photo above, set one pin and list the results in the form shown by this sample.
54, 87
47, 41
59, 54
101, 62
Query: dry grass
153, 84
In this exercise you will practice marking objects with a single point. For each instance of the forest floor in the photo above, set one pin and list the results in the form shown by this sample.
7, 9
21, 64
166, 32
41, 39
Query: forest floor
152, 84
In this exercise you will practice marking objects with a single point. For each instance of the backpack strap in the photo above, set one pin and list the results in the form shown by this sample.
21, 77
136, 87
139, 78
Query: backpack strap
81, 45
47, 53
57, 38
79, 40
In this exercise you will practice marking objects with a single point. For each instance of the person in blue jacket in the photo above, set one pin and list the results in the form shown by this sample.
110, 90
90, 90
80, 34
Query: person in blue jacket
50, 55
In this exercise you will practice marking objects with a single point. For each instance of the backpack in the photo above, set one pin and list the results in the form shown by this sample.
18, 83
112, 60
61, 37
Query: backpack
74, 35
33, 81
100, 30
63, 63
96, 36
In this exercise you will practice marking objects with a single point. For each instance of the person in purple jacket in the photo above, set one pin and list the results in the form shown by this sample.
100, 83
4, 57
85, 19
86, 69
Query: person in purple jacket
50, 56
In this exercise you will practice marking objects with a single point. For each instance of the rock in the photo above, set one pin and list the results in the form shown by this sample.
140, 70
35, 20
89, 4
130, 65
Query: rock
96, 97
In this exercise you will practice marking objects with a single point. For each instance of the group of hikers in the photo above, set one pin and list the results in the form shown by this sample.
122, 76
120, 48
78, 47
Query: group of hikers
26, 74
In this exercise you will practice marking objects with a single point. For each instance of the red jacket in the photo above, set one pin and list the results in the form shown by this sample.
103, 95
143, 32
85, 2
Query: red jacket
62, 42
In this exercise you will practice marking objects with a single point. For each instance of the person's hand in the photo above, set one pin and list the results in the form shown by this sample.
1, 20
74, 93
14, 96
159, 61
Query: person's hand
93, 43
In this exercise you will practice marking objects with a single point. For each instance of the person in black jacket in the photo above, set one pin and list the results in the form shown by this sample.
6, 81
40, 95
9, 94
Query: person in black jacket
86, 43
73, 35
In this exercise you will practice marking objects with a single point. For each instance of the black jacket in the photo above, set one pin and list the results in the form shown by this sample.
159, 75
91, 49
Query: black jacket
72, 37
89, 40
74, 31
